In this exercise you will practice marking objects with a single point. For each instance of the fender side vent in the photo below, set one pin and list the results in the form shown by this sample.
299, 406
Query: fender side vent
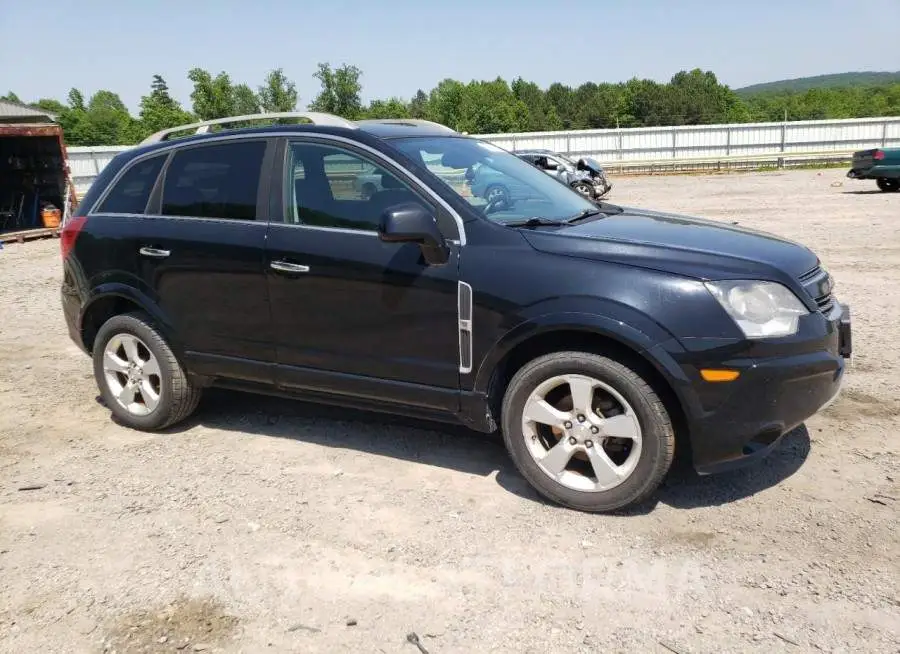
464, 299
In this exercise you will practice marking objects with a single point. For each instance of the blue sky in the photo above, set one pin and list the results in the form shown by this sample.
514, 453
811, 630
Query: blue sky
402, 45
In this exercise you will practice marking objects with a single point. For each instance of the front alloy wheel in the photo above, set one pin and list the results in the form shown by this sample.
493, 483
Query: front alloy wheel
582, 433
587, 431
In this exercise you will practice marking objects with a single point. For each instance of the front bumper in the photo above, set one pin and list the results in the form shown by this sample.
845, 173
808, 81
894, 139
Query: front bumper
744, 420
600, 188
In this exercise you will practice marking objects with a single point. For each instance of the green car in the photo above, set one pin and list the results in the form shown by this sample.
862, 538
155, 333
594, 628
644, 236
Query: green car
880, 164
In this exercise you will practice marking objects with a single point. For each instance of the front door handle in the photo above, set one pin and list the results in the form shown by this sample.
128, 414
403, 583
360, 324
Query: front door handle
156, 253
288, 267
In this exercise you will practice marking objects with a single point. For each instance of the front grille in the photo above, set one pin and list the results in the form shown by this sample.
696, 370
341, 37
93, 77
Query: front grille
820, 286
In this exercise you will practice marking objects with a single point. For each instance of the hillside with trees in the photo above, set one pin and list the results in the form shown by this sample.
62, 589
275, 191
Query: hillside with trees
837, 80
693, 97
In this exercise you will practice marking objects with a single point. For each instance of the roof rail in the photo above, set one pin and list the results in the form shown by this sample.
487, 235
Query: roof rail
202, 127
408, 121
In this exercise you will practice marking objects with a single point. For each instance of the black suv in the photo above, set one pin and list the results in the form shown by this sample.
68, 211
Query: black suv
596, 338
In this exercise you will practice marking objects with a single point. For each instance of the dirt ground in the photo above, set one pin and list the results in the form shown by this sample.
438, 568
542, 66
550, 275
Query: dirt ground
272, 526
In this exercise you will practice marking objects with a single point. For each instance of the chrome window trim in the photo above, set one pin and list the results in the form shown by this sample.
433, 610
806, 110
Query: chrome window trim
322, 228
167, 149
173, 145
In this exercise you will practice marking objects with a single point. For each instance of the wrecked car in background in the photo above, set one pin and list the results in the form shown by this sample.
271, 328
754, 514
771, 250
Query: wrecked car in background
585, 174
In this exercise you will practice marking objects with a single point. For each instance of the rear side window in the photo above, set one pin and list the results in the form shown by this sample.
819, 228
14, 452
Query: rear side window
214, 181
132, 191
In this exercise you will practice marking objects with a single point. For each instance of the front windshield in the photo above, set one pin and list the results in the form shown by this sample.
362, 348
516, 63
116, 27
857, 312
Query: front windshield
496, 182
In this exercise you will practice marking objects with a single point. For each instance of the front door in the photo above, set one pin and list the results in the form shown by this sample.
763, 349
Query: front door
352, 314
202, 248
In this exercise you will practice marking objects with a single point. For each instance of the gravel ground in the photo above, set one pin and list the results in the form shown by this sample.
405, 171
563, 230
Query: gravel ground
268, 525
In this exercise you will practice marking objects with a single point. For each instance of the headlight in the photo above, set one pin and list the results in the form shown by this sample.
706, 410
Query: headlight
760, 309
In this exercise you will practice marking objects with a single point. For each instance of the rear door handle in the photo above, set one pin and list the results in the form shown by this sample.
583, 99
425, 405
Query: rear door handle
287, 266
156, 253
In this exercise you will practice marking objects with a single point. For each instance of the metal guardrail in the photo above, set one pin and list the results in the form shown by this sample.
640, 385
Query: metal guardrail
730, 162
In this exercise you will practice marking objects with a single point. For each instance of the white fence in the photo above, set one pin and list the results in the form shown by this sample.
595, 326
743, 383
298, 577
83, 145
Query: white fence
85, 163
655, 148
661, 143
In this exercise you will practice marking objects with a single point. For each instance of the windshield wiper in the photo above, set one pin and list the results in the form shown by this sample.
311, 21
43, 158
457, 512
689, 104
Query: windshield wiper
587, 213
534, 221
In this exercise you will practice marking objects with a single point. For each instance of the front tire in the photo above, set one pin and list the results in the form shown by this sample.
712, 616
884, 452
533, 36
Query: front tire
584, 189
587, 431
138, 375
888, 185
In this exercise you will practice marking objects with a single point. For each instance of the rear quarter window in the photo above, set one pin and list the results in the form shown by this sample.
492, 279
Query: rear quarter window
132, 192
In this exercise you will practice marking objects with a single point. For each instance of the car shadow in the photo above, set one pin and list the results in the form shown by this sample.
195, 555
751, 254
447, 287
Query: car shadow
683, 488
868, 192
458, 448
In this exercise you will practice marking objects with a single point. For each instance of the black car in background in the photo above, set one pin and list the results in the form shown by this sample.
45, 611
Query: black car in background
596, 338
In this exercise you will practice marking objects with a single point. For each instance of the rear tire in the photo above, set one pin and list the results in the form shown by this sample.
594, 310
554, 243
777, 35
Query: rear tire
602, 473
138, 375
888, 185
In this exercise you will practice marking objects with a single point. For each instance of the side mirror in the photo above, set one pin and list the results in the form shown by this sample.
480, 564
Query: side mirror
413, 223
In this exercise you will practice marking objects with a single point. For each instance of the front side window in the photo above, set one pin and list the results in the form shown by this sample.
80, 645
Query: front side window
214, 181
132, 191
330, 186
497, 183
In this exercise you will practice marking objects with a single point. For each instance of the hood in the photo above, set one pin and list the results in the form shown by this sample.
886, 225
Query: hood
693, 247
591, 165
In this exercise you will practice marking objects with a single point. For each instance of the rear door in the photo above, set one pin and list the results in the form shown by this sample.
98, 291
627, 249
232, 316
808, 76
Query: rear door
201, 248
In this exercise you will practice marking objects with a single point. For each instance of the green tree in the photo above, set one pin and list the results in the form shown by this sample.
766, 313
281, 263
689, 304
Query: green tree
11, 97
541, 115
245, 101
107, 121
340, 94
418, 106
697, 98
50, 105
392, 108
73, 118
159, 110
562, 99
76, 100
278, 93
212, 97
491, 107
445, 103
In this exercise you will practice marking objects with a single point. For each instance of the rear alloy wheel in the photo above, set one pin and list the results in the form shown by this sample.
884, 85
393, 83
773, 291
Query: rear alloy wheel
888, 184
139, 377
587, 431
